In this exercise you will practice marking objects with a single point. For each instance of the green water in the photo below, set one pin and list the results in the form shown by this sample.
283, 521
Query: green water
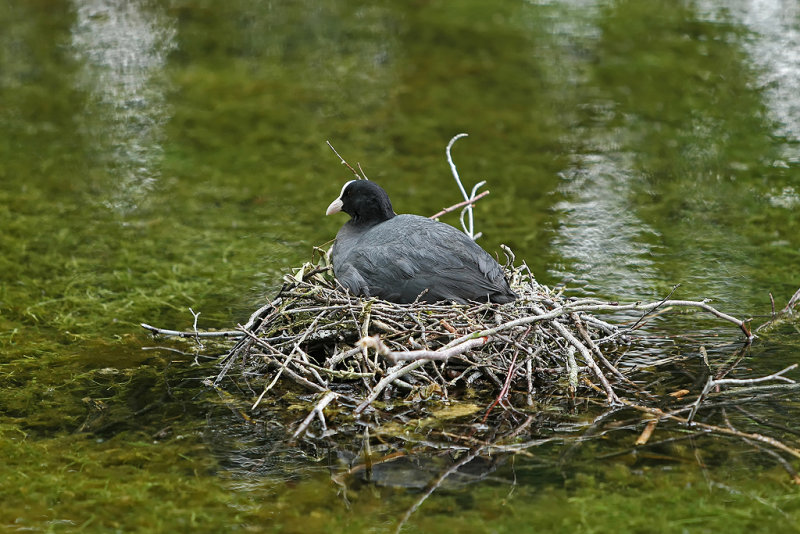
161, 156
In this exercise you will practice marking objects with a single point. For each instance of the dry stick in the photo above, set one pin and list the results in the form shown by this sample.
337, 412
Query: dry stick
792, 302
323, 402
467, 230
263, 344
438, 355
221, 333
344, 162
307, 366
611, 396
747, 381
266, 345
314, 309
288, 359
454, 207
572, 372
178, 333
572, 307
504, 389
644, 437
588, 339
257, 314
386, 381
718, 429
529, 377
635, 325
297, 378
334, 360
711, 383
787, 310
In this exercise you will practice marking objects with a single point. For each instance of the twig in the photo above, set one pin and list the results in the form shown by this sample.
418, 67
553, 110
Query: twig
611, 395
792, 302
649, 428
318, 411
345, 163
718, 429
468, 228
374, 342
402, 371
504, 390
194, 328
186, 334
665, 299
786, 311
578, 307
712, 383
454, 207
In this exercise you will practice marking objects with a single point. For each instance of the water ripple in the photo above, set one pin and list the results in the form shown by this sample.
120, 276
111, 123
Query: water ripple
122, 47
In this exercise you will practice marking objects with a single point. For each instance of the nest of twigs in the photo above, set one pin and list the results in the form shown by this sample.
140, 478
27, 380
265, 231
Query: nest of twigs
461, 383
373, 355
366, 363
358, 366
367, 350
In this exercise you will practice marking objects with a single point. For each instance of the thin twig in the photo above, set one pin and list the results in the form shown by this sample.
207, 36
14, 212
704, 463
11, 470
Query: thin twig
318, 411
454, 207
187, 334
343, 162
718, 429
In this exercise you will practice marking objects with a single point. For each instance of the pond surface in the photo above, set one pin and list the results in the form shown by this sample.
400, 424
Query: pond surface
157, 157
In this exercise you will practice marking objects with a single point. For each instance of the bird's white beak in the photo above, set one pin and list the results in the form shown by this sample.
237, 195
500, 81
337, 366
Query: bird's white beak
335, 207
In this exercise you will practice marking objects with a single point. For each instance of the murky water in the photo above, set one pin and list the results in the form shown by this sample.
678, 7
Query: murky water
161, 156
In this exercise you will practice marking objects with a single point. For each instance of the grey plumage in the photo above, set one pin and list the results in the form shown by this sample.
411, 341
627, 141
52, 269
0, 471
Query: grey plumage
397, 257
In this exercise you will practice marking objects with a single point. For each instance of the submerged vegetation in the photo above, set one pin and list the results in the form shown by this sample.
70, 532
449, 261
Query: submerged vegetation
441, 394
630, 147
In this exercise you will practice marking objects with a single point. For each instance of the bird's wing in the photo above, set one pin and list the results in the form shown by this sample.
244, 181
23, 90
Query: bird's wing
399, 262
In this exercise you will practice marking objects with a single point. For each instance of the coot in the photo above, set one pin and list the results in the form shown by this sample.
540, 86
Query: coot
378, 253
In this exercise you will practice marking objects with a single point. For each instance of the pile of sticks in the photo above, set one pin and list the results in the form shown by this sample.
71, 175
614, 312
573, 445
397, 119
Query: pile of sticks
364, 351
325, 340
356, 359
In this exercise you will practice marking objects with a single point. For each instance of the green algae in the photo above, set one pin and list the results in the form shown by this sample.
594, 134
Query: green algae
99, 435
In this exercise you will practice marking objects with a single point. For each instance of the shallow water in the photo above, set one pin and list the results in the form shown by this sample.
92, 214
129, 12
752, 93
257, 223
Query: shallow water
161, 156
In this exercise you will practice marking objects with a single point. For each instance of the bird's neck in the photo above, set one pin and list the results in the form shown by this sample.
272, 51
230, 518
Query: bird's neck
371, 220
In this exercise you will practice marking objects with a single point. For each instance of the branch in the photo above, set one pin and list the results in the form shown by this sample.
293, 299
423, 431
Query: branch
454, 207
468, 228
374, 342
358, 176
580, 306
386, 381
711, 383
318, 411
719, 429
177, 333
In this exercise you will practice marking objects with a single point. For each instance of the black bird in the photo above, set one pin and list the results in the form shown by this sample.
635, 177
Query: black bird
378, 253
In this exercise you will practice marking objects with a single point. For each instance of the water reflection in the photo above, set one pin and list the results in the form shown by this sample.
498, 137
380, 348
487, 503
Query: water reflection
775, 49
122, 47
600, 231
668, 137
